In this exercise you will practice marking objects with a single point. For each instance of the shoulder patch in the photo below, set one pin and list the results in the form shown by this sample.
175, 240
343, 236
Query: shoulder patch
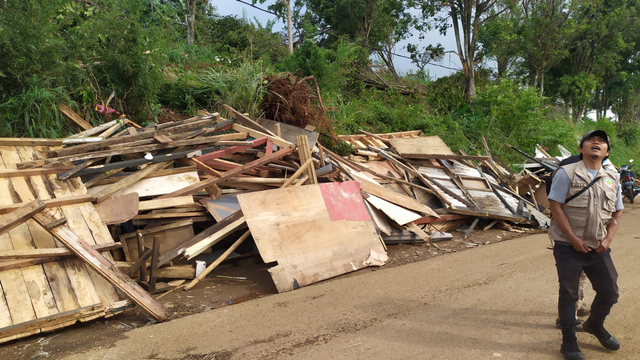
609, 182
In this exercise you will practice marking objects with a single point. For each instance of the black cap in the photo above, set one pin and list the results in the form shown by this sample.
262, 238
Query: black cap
600, 133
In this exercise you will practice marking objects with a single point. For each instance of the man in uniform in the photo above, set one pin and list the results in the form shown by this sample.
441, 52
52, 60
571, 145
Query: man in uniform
586, 204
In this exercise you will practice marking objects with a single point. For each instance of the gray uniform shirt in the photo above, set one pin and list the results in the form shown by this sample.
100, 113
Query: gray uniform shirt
560, 187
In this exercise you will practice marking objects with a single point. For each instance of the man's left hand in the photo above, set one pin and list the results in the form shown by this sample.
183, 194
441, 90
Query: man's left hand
604, 245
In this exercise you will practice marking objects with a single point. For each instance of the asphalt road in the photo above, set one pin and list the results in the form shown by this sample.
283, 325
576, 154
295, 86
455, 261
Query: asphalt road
493, 302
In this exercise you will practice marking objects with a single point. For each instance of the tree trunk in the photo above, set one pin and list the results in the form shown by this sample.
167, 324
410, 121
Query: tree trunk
287, 3
191, 21
542, 84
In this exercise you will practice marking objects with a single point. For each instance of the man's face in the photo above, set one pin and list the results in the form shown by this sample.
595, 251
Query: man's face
594, 147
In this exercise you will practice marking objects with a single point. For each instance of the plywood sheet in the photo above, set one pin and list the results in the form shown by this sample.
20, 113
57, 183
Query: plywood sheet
424, 147
293, 227
156, 186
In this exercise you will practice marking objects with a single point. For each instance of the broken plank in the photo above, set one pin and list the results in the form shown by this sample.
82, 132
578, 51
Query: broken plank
75, 119
171, 272
20, 215
228, 174
103, 267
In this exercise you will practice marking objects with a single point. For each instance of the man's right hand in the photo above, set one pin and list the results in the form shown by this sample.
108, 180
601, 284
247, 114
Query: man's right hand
579, 245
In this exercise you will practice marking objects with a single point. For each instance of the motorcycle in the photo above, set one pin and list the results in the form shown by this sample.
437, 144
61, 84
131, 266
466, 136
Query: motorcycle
628, 182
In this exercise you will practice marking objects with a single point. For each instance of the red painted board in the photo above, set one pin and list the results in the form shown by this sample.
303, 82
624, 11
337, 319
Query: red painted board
343, 201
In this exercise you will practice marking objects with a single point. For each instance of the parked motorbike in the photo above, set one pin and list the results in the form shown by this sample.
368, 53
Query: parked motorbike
628, 182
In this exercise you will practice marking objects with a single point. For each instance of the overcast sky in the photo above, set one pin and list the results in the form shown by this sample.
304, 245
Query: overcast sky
233, 7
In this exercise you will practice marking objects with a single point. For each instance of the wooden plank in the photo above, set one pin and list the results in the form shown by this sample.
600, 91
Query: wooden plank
396, 198
219, 260
257, 134
48, 253
75, 120
305, 154
396, 213
69, 279
430, 219
289, 132
229, 174
32, 172
38, 299
178, 250
50, 203
8, 333
20, 215
165, 203
154, 186
171, 272
170, 238
30, 142
427, 147
170, 215
118, 209
129, 138
244, 120
123, 150
93, 131
291, 225
105, 268
197, 248
107, 192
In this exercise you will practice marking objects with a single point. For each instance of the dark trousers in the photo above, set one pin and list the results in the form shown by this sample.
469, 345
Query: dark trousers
601, 273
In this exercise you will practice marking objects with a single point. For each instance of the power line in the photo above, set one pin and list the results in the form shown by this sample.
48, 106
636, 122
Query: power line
253, 6
352, 41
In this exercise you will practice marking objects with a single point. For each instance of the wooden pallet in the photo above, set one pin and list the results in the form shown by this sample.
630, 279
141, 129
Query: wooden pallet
56, 294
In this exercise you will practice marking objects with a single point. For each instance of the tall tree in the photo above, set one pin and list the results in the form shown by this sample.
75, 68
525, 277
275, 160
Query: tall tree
191, 21
546, 31
377, 24
282, 9
466, 17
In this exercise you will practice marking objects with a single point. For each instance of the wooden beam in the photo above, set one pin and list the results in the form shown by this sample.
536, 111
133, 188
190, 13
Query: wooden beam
228, 174
128, 181
48, 253
103, 267
52, 203
431, 219
29, 142
75, 119
20, 215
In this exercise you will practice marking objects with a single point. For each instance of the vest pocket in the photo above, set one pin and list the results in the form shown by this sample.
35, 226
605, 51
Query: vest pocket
609, 201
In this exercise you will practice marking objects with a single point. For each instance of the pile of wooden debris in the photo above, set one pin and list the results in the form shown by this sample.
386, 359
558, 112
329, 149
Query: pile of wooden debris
179, 198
